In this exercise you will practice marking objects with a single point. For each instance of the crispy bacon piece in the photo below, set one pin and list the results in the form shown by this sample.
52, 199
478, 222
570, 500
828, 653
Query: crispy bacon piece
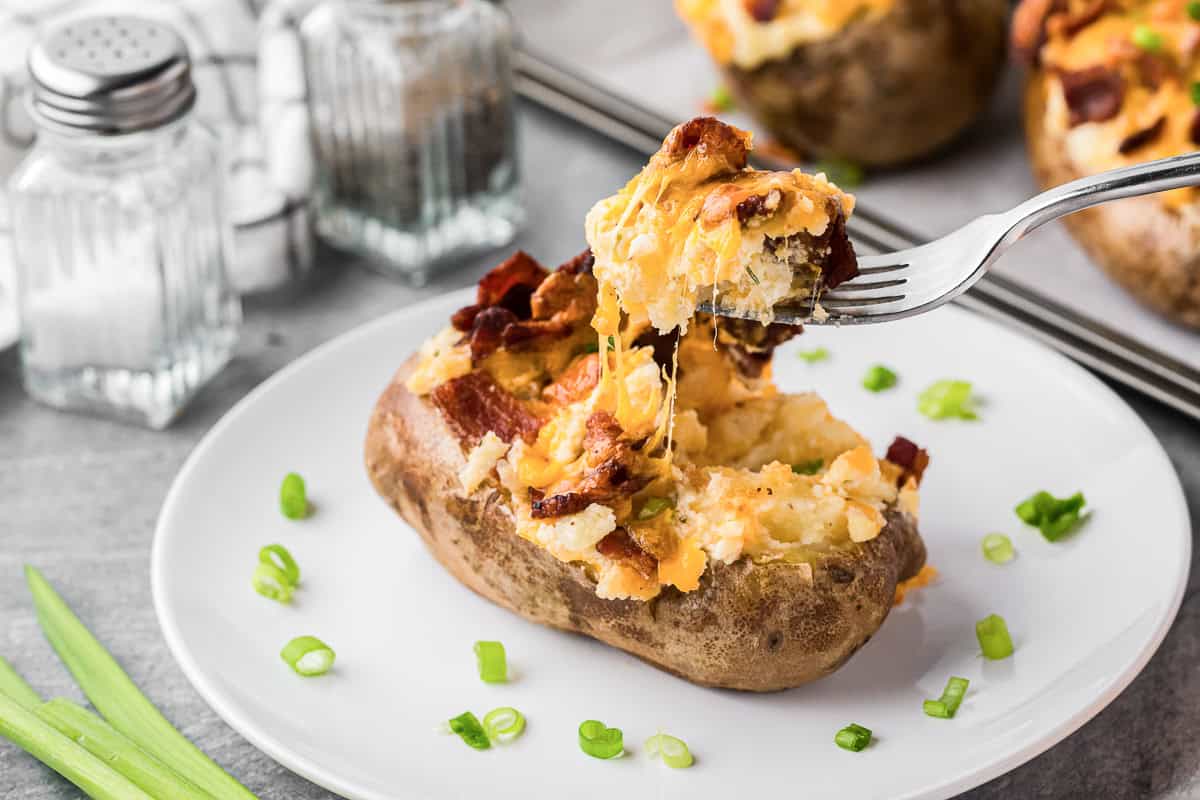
1094, 94
509, 285
759, 205
911, 458
728, 147
576, 383
750, 344
579, 265
1139, 139
488, 330
1154, 69
610, 472
474, 404
762, 10
620, 546
841, 264
1029, 28
1194, 129
1076, 16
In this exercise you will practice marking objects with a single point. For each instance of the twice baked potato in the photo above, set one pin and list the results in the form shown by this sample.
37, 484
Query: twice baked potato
1113, 84
877, 82
583, 448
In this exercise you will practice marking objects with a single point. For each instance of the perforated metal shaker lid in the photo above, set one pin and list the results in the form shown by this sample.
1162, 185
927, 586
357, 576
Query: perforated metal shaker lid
110, 75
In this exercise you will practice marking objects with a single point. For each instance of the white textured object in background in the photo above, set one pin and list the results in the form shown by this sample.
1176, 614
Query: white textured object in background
269, 171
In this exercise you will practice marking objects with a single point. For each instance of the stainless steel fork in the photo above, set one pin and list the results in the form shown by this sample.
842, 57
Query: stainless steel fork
907, 282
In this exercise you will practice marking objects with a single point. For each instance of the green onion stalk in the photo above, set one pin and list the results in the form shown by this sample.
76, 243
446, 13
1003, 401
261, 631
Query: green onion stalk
13, 685
119, 700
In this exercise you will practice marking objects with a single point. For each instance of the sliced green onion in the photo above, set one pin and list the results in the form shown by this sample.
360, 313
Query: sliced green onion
13, 685
879, 378
753, 277
612, 343
272, 582
503, 724
116, 697
721, 100
947, 399
293, 497
1054, 517
117, 751
952, 697
600, 742
591, 347
467, 726
278, 556
308, 656
674, 752
808, 467
997, 548
1147, 38
493, 665
37, 737
1194, 91
653, 507
992, 633
845, 174
1193, 9
853, 737
813, 356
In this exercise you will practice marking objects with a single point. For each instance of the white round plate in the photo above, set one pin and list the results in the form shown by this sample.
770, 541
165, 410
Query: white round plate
1086, 613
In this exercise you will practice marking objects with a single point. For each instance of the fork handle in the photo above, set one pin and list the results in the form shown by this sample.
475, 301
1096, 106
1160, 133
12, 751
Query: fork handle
1114, 184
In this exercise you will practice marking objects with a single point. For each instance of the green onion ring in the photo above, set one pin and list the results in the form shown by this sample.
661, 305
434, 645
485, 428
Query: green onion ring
997, 548
675, 753
293, 497
271, 582
467, 726
503, 724
278, 556
599, 741
308, 656
493, 664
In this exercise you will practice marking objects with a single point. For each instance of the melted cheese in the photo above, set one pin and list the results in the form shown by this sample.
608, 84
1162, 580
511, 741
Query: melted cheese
441, 359
1095, 146
732, 35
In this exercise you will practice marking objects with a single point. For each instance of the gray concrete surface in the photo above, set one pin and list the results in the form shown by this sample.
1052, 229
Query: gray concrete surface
79, 498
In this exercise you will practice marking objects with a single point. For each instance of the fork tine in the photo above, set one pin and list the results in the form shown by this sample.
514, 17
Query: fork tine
883, 267
841, 303
853, 286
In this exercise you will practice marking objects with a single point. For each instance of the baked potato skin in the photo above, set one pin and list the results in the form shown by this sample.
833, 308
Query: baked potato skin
882, 92
1151, 252
748, 626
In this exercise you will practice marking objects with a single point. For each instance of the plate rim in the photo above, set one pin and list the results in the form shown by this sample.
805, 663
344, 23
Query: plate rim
314, 772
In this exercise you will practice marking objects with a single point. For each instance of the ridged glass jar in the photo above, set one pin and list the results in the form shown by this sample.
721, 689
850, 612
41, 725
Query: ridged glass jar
411, 110
120, 231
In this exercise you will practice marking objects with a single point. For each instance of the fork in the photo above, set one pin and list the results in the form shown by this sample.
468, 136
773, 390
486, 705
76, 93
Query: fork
902, 284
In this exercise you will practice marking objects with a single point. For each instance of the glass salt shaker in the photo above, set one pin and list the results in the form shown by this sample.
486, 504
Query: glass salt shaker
120, 231
411, 113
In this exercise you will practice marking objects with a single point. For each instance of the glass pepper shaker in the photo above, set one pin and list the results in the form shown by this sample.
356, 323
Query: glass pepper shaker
120, 230
410, 108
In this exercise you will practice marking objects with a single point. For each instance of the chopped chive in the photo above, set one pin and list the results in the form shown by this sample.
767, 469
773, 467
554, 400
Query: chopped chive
13, 685
503, 724
115, 749
951, 699
808, 467
994, 640
948, 399
271, 582
118, 700
997, 548
68, 758
1194, 92
612, 343
308, 656
753, 277
278, 556
293, 497
1193, 9
599, 741
721, 100
653, 507
493, 664
879, 378
467, 726
813, 356
674, 752
853, 737
591, 347
1147, 38
844, 173
1054, 517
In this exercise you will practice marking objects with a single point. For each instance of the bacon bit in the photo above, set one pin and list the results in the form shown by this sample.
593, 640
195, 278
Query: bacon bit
1078, 17
576, 383
762, 10
909, 457
1154, 69
1194, 128
620, 546
488, 330
841, 264
561, 300
464, 318
750, 344
1139, 139
1093, 94
509, 285
579, 265
759, 205
926, 576
1189, 41
1029, 29
610, 462
664, 344
709, 137
475, 404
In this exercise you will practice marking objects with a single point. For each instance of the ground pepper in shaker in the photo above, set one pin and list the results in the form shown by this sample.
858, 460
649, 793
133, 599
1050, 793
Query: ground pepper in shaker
120, 229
